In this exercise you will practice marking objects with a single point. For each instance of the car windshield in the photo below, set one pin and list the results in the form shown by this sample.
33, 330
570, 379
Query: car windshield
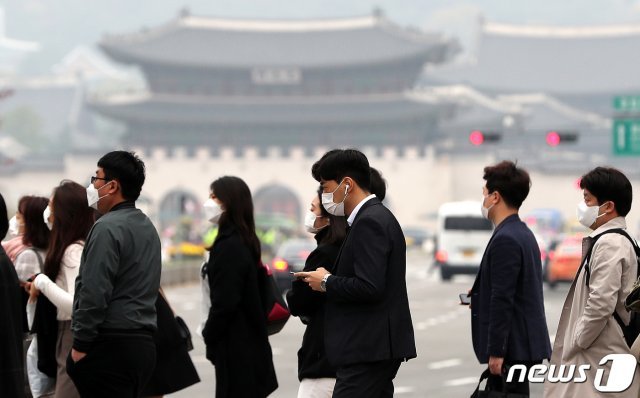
465, 223
296, 249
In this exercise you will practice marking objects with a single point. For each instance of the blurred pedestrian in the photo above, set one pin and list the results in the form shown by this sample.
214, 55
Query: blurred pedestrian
28, 263
368, 330
11, 353
15, 245
236, 331
35, 237
114, 314
593, 313
70, 220
317, 376
508, 323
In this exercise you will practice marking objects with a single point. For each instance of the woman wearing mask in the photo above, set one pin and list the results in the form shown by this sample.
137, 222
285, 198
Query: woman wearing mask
317, 377
235, 332
70, 220
35, 236
29, 262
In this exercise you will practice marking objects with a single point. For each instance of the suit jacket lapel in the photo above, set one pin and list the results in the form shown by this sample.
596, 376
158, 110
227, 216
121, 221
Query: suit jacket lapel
368, 203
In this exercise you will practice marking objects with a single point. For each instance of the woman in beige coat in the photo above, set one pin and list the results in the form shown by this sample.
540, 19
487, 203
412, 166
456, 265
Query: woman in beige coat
587, 331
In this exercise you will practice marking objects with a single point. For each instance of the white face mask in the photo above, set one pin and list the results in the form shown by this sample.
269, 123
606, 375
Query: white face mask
485, 210
587, 215
93, 197
45, 215
212, 211
310, 222
336, 209
14, 227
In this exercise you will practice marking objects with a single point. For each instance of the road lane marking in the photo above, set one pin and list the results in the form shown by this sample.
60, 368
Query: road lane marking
449, 363
403, 390
461, 382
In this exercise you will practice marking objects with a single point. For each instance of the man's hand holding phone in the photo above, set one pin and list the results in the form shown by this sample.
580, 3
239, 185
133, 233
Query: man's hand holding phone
465, 299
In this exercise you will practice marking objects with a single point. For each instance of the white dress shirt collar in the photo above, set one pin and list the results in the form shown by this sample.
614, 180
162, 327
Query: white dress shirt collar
355, 211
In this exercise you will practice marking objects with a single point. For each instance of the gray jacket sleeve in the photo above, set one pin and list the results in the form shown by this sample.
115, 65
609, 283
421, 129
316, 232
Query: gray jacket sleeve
94, 285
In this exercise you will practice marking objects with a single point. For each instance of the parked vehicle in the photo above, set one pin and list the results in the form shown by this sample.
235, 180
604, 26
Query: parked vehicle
462, 235
290, 257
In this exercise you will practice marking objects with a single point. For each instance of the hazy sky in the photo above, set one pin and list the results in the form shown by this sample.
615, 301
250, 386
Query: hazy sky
60, 25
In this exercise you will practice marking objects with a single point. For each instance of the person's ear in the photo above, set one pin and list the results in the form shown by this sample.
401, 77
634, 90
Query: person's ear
609, 207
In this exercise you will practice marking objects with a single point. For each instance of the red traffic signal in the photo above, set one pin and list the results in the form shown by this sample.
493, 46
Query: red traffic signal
478, 137
555, 138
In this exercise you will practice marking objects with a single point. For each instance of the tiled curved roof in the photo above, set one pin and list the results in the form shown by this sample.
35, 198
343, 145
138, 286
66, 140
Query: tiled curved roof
273, 110
554, 60
199, 41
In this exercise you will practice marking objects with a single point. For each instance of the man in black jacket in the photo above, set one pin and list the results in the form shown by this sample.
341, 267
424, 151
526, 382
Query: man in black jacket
508, 320
114, 313
368, 329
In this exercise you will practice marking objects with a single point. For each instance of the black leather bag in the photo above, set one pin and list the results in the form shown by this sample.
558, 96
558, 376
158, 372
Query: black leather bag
185, 334
487, 392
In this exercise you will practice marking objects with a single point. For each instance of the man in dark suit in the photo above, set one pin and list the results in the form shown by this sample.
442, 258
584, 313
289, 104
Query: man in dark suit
368, 329
507, 307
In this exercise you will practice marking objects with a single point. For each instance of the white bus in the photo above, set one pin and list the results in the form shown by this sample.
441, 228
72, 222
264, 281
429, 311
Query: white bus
462, 235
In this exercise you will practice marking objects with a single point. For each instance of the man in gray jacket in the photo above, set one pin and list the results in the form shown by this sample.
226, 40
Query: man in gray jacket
114, 313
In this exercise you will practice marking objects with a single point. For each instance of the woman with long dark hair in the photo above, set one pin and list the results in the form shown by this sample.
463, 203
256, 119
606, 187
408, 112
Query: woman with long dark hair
317, 377
70, 219
28, 262
35, 237
236, 332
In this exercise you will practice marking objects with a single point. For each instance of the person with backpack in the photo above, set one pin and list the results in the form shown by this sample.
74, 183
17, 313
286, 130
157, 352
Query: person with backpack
593, 318
235, 332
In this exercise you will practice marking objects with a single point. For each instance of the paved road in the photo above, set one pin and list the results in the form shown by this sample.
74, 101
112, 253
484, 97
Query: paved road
445, 368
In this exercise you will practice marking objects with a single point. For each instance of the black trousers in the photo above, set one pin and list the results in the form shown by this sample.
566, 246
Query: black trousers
371, 379
118, 365
496, 383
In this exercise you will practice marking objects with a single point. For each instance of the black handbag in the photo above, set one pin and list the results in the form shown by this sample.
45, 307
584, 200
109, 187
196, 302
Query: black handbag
275, 307
180, 324
487, 392
185, 334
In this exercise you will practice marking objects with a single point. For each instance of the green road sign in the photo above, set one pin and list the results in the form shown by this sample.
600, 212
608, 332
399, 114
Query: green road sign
626, 137
627, 103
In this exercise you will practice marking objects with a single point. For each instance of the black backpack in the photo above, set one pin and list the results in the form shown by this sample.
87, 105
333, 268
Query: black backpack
632, 330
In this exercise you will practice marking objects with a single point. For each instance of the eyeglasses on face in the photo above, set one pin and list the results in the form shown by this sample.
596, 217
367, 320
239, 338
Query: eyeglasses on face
94, 179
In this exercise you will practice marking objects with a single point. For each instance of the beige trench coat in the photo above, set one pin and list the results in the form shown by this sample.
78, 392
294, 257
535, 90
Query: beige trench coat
587, 330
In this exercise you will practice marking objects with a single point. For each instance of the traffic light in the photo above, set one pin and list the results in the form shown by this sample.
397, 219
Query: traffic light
477, 137
555, 137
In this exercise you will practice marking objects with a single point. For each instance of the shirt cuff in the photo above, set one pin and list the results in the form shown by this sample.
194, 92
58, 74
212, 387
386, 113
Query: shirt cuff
41, 281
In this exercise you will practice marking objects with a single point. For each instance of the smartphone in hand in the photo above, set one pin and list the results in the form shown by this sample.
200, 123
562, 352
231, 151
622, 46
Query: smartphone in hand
465, 299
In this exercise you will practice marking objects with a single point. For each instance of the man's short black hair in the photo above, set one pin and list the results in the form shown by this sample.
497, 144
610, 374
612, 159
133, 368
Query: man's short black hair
127, 168
512, 182
609, 184
340, 163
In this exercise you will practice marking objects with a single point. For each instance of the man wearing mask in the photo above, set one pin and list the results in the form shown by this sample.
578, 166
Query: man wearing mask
589, 326
368, 330
508, 322
114, 314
